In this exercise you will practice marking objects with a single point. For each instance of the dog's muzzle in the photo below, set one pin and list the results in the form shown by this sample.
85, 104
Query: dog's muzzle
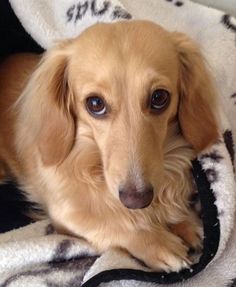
134, 198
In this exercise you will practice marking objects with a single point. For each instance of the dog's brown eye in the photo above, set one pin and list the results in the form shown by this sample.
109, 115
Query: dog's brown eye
96, 106
159, 99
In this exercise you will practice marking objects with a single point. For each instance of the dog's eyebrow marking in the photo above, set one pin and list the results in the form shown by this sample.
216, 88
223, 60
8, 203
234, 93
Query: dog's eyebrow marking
156, 79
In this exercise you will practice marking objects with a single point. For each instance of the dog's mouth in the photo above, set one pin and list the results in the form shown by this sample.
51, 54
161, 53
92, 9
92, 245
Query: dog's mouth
136, 200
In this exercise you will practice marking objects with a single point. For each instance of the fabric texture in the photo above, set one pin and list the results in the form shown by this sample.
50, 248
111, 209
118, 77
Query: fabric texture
36, 256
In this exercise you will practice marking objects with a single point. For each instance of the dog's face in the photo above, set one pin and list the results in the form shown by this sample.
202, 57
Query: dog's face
124, 86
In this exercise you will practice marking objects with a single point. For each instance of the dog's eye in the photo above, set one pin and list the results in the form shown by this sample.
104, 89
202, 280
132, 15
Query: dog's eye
159, 99
96, 106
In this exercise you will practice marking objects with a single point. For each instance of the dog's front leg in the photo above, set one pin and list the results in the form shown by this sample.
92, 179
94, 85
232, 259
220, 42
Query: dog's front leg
159, 249
156, 246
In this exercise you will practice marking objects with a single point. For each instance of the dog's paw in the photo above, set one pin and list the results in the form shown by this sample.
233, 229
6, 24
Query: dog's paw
191, 232
161, 251
171, 256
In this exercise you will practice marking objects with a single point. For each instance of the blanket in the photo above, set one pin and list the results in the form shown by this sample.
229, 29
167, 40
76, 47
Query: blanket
36, 256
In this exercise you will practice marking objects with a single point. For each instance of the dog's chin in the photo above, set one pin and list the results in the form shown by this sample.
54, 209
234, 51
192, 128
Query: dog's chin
137, 201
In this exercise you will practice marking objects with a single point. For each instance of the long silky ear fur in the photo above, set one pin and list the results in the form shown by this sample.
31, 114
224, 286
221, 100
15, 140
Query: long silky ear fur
47, 106
198, 98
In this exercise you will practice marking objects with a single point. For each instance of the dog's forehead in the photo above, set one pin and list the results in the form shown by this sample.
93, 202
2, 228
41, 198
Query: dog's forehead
128, 47
127, 39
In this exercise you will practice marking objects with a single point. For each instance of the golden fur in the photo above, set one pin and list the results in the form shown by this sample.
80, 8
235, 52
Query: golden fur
72, 164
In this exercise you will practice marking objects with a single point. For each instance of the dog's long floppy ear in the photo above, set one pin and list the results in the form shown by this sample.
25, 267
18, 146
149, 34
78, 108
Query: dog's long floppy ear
50, 97
198, 100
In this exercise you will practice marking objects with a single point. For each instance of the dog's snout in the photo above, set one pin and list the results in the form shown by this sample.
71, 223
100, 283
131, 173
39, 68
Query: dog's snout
136, 198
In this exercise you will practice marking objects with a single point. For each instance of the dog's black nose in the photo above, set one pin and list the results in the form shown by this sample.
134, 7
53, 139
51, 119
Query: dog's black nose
135, 198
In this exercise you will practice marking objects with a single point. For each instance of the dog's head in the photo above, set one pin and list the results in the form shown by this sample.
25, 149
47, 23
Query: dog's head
124, 86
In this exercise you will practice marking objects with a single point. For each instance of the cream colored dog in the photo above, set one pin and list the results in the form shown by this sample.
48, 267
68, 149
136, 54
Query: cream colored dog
101, 132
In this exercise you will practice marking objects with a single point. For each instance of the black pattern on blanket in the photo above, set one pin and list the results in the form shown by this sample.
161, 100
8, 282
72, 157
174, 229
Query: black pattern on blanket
36, 256
64, 265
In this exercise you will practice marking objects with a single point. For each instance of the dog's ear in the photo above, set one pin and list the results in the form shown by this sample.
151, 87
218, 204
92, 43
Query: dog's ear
50, 97
197, 107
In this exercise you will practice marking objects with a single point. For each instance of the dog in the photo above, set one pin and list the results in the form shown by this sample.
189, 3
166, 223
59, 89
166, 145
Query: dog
101, 132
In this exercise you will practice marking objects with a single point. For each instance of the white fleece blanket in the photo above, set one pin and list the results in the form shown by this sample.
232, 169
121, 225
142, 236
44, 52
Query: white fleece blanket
36, 256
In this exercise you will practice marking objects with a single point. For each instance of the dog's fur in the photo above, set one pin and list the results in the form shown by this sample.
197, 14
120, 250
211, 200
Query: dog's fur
73, 164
